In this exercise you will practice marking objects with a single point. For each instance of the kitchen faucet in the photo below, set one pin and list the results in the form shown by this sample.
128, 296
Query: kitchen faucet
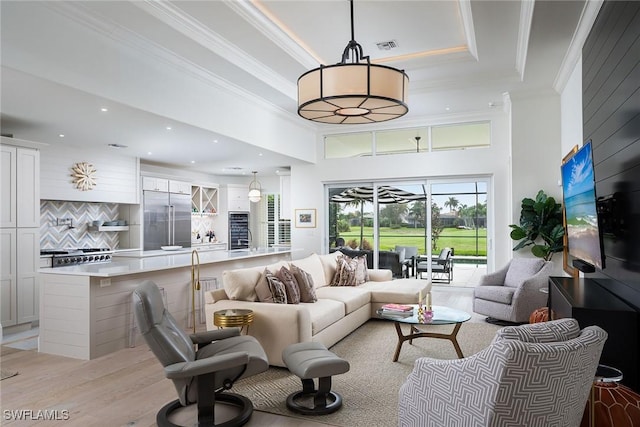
247, 241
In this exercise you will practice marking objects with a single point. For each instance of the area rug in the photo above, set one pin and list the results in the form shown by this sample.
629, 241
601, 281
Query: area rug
370, 388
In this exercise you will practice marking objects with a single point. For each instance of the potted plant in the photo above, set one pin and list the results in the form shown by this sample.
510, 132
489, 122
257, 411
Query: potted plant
540, 226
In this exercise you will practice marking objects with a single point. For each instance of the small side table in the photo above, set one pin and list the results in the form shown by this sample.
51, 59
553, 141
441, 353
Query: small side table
236, 317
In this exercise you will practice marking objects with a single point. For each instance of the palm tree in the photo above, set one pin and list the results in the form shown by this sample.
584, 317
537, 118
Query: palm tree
452, 203
418, 212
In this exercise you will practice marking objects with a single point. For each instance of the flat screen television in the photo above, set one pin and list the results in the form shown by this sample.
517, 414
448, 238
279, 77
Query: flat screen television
581, 213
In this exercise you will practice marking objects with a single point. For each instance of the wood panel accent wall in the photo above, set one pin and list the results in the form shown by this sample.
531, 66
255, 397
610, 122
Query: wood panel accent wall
611, 119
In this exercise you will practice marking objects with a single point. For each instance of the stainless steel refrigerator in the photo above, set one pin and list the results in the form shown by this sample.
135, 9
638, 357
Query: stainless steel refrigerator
239, 234
167, 220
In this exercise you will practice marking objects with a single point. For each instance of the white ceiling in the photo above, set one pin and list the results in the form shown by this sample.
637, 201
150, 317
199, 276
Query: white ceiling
63, 61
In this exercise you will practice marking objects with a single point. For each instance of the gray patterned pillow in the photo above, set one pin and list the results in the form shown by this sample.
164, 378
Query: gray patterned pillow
277, 288
290, 285
305, 283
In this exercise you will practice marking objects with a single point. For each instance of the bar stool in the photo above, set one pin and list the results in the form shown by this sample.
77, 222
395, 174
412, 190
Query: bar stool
133, 328
206, 284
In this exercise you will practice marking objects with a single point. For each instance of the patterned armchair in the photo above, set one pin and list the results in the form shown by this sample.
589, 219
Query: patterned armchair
531, 375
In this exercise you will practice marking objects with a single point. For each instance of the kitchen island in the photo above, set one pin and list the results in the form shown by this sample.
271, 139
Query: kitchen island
85, 310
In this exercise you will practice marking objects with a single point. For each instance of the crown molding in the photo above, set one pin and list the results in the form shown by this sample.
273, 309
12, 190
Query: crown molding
524, 32
187, 25
469, 30
574, 52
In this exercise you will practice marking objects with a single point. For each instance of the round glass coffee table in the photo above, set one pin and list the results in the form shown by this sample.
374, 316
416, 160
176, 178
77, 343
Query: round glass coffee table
441, 316
236, 317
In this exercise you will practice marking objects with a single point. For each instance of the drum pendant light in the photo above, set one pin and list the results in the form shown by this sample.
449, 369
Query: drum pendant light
353, 91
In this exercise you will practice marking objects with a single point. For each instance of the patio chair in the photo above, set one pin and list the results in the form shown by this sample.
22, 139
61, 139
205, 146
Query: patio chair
391, 260
441, 266
408, 260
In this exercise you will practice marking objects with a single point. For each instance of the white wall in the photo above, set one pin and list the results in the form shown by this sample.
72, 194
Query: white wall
571, 111
536, 154
307, 181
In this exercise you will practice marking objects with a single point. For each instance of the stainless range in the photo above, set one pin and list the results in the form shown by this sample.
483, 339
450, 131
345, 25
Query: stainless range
66, 257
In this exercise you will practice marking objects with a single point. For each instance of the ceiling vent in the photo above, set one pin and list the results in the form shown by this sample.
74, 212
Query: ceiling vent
391, 44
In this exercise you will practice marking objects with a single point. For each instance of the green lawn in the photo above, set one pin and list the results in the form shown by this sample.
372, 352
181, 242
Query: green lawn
463, 241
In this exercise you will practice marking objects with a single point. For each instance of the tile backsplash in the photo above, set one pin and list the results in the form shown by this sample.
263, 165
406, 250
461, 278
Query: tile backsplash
54, 236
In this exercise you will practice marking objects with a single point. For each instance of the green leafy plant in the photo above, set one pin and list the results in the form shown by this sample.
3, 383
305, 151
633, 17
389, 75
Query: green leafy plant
540, 226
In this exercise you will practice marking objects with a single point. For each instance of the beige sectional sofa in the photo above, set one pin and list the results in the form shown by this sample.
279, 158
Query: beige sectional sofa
338, 311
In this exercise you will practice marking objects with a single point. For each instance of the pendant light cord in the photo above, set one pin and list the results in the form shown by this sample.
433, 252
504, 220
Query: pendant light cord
353, 49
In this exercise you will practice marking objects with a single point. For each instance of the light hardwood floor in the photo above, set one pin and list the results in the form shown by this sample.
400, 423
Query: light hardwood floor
125, 388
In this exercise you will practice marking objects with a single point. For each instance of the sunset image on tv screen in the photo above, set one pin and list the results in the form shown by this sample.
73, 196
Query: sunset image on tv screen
578, 191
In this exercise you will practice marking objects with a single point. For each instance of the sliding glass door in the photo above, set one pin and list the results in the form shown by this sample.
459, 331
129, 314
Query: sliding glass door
459, 217
426, 215
351, 216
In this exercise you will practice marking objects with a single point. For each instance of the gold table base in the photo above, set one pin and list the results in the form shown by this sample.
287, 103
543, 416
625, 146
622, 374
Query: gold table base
233, 318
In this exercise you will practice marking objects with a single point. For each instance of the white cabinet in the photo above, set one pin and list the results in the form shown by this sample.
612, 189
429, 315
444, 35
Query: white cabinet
19, 235
8, 186
204, 199
28, 260
238, 199
8, 277
28, 187
179, 187
165, 185
20, 184
155, 184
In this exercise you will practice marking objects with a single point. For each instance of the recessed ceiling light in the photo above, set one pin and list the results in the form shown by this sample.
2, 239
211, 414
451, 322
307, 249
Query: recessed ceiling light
61, 135
117, 146
149, 153
447, 108
215, 141
104, 109
260, 154
168, 128
193, 161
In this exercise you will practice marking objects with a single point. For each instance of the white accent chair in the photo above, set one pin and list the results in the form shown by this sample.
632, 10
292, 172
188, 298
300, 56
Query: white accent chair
514, 292
531, 375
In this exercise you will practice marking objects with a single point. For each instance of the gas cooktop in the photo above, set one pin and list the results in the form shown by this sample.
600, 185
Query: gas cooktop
75, 256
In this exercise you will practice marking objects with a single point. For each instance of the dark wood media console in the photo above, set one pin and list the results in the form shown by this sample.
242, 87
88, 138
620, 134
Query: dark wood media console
591, 304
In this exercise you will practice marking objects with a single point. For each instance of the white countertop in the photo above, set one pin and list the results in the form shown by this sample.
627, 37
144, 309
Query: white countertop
121, 266
139, 253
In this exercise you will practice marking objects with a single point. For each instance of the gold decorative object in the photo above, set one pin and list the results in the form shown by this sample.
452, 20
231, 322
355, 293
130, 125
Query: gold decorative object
83, 175
195, 284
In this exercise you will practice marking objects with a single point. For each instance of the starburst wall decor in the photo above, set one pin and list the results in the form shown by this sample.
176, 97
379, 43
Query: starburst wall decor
83, 175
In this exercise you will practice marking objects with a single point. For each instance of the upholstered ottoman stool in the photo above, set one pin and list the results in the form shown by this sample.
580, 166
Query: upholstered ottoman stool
309, 360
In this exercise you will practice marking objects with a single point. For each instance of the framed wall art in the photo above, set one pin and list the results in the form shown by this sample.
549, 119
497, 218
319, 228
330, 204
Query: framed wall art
305, 218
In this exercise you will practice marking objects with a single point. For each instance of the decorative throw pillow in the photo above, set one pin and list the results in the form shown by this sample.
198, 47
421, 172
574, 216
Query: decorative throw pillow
263, 291
305, 284
362, 274
345, 272
278, 291
290, 285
